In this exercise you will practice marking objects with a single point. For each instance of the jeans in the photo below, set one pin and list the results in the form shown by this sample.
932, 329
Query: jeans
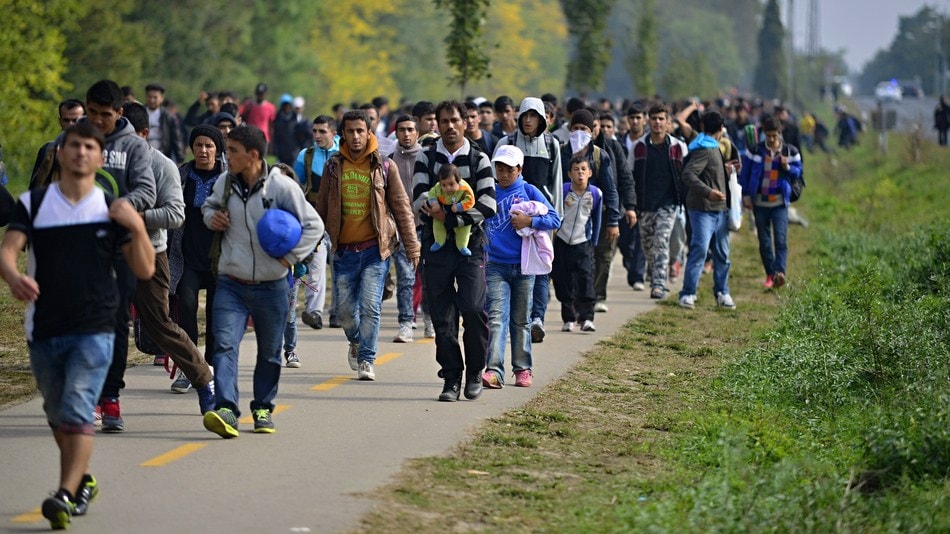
358, 278
707, 227
267, 304
540, 296
405, 280
769, 220
69, 372
314, 301
290, 329
509, 293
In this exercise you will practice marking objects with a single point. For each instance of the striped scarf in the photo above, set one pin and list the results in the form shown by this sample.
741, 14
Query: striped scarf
769, 190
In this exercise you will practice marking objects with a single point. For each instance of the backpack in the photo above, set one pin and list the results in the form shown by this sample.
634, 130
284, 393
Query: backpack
797, 184
549, 142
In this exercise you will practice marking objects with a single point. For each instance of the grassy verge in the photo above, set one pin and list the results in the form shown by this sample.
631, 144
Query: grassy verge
820, 408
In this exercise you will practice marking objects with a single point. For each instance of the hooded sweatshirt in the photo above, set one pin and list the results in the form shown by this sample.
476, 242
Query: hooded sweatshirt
355, 187
542, 155
504, 243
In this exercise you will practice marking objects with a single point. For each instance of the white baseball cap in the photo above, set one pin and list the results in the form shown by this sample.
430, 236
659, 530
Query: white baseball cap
509, 155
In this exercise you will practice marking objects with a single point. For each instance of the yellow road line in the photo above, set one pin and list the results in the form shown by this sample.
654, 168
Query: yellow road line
29, 517
425, 341
388, 357
175, 454
331, 383
247, 420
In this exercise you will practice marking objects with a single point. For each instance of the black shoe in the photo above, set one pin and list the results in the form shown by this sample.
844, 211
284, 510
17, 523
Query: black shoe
473, 385
88, 491
58, 509
451, 390
334, 322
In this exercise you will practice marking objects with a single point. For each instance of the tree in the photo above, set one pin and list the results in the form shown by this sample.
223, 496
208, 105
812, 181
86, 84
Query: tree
643, 65
466, 50
587, 26
912, 52
770, 71
31, 78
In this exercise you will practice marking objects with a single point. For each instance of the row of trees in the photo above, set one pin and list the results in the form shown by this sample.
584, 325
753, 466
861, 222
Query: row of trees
331, 52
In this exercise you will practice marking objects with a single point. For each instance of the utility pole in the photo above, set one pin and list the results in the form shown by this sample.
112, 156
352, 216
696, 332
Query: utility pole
791, 51
813, 38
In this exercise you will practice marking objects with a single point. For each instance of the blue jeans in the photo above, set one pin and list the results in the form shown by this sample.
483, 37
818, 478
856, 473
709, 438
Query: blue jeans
70, 371
405, 279
541, 295
707, 227
509, 294
359, 278
268, 305
767, 221
290, 329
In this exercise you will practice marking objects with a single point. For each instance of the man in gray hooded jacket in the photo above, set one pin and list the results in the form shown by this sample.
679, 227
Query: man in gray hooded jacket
542, 169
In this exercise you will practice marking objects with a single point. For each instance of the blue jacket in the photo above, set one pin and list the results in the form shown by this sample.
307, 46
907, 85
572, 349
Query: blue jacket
753, 167
504, 243
320, 157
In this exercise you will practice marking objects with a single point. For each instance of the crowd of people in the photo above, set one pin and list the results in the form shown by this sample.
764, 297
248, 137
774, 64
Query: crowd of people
461, 211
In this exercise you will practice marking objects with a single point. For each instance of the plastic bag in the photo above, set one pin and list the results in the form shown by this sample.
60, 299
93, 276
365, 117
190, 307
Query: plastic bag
735, 202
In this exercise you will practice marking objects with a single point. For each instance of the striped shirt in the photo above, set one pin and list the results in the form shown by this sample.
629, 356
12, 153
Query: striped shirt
483, 182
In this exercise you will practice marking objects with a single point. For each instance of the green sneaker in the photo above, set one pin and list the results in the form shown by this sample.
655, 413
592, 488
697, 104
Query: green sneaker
88, 491
222, 422
262, 421
59, 510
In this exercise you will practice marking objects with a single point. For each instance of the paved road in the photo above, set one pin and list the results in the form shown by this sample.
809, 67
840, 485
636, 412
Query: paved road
911, 113
337, 438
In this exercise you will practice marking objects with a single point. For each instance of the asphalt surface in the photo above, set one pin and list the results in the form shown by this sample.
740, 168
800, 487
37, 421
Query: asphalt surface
337, 438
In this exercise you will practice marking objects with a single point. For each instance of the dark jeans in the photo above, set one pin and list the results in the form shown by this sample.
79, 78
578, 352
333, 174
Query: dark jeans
540, 296
631, 250
574, 280
771, 225
115, 378
151, 304
186, 296
454, 287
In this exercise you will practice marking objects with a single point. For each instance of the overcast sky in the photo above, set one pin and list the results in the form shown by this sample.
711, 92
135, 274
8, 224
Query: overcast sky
859, 27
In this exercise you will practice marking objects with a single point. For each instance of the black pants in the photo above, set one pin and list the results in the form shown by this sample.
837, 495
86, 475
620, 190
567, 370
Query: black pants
573, 276
603, 256
454, 286
186, 295
125, 279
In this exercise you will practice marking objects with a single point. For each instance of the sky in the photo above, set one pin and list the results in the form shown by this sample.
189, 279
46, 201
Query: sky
859, 27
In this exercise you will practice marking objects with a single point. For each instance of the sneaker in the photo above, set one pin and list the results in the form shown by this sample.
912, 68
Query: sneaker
159, 360
181, 383
88, 491
600, 306
657, 293
588, 326
537, 330
58, 508
568, 326
688, 302
312, 319
292, 360
523, 378
769, 281
97, 417
351, 355
725, 301
222, 422
429, 330
111, 415
206, 398
638, 286
490, 380
779, 279
366, 371
465, 251
262, 421
334, 322
405, 333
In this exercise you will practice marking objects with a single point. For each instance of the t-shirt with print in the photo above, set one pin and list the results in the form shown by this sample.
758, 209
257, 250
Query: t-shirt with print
355, 189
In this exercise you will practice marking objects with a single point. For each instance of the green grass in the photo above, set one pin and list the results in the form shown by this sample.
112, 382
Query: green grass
823, 407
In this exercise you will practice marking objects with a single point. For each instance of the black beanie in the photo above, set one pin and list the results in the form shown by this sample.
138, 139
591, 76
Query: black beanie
582, 116
210, 132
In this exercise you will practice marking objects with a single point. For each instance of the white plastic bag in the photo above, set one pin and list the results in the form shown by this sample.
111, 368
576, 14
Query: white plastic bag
735, 204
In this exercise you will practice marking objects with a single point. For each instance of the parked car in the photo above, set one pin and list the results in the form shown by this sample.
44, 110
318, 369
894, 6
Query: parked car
888, 92
911, 89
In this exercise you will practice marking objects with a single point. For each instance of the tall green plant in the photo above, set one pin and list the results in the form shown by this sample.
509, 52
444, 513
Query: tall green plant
648, 41
770, 71
587, 26
466, 49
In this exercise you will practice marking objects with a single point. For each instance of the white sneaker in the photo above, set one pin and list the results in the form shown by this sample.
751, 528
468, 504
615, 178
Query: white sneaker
600, 306
429, 331
537, 331
366, 371
639, 286
688, 301
181, 383
405, 333
725, 300
588, 326
568, 326
351, 355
